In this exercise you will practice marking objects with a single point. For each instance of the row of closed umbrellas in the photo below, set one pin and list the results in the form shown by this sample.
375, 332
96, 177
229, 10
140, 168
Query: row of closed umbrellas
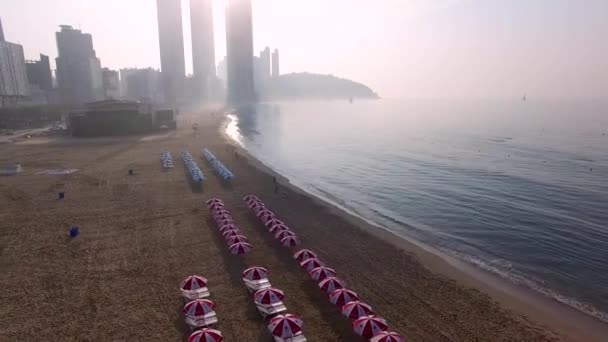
238, 243
365, 322
195, 172
199, 312
217, 165
278, 228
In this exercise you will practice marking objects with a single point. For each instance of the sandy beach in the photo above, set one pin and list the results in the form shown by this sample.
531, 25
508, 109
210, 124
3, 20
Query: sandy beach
142, 234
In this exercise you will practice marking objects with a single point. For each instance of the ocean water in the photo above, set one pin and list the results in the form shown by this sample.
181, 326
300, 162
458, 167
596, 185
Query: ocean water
519, 189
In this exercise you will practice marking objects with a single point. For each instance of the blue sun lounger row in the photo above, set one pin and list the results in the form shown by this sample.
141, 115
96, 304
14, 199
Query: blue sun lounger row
192, 166
217, 165
167, 160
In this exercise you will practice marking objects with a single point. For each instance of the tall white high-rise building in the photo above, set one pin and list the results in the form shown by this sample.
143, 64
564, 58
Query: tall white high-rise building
203, 47
171, 42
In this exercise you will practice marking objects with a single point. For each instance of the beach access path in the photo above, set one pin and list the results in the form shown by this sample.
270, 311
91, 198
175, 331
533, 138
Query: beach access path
141, 235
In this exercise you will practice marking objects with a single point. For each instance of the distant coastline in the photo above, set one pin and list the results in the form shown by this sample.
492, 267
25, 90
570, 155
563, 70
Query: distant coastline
314, 86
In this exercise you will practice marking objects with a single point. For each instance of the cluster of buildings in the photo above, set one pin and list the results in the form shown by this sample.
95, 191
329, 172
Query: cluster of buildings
79, 77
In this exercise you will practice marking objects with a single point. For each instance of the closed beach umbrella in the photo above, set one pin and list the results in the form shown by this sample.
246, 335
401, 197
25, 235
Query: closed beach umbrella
198, 308
250, 197
240, 248
304, 254
283, 233
356, 309
231, 232
285, 326
388, 336
277, 228
310, 264
193, 283
214, 200
215, 206
229, 226
330, 284
321, 273
369, 326
257, 206
224, 222
217, 213
253, 202
342, 296
206, 335
268, 296
290, 241
231, 240
255, 273
273, 222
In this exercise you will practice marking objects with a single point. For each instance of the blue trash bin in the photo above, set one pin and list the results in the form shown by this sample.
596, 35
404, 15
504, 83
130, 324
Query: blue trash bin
61, 195
74, 231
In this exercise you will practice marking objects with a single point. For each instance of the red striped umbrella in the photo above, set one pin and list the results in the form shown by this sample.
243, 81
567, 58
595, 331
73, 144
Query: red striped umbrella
214, 201
269, 296
283, 233
356, 309
223, 217
198, 308
330, 284
257, 206
342, 296
224, 222
231, 240
206, 335
219, 212
273, 222
370, 326
290, 241
388, 336
193, 283
285, 326
215, 206
228, 226
277, 228
250, 197
304, 254
241, 248
231, 232
265, 215
321, 273
255, 273
310, 264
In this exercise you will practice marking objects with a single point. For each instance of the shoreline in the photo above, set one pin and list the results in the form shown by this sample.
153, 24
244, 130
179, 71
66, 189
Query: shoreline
570, 323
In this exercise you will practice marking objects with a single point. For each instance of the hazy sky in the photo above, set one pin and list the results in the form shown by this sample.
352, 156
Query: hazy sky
401, 48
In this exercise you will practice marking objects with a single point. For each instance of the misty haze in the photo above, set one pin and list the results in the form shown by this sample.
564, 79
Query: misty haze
289, 171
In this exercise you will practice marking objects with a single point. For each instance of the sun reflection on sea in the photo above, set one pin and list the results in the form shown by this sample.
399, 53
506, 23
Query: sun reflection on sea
232, 129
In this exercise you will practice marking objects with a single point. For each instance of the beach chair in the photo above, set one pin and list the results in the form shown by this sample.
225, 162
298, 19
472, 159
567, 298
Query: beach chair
271, 310
298, 338
255, 285
201, 293
206, 321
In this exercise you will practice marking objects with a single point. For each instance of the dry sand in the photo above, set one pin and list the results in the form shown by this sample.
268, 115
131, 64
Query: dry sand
142, 234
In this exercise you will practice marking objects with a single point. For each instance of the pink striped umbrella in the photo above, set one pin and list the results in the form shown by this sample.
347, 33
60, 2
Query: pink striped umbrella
223, 217
330, 284
193, 283
283, 233
255, 273
224, 222
290, 241
388, 336
265, 215
370, 326
250, 197
257, 206
310, 264
321, 273
277, 228
304, 254
231, 232
219, 212
241, 248
285, 326
206, 335
214, 199
342, 296
215, 206
198, 308
356, 309
273, 222
268, 296
231, 240
228, 226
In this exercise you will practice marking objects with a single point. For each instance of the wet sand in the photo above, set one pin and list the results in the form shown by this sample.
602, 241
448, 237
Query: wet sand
142, 234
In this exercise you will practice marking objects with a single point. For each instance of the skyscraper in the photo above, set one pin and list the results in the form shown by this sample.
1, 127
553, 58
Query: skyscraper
40, 80
1, 31
78, 68
239, 48
171, 41
203, 46
265, 62
275, 63
13, 76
